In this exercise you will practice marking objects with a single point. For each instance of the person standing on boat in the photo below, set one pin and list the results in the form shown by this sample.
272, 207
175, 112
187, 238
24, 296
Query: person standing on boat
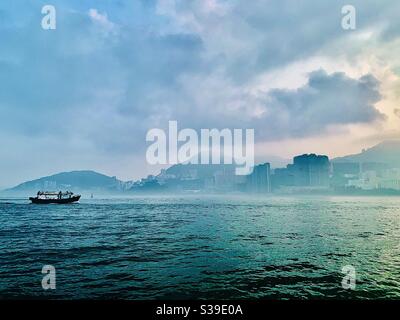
59, 195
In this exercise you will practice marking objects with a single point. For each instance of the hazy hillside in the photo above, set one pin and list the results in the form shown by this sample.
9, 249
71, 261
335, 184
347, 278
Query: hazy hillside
75, 180
385, 152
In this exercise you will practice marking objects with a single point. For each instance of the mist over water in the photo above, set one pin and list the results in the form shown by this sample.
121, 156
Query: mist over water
202, 247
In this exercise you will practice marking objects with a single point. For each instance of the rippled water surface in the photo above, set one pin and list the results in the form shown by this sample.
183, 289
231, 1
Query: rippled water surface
202, 247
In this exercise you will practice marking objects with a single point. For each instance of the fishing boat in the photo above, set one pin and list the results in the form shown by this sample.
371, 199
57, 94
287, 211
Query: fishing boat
46, 197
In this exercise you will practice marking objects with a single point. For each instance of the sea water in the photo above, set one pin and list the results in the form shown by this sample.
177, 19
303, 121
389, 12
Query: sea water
202, 247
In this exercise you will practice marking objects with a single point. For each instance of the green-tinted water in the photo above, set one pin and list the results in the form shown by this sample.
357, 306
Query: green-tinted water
202, 247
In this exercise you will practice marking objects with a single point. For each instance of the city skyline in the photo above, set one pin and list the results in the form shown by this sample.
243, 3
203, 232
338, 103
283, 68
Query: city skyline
374, 169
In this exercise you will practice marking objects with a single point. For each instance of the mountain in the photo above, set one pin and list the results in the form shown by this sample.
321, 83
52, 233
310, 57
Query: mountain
74, 181
385, 152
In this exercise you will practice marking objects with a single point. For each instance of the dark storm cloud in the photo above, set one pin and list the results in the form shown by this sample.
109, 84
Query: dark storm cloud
326, 100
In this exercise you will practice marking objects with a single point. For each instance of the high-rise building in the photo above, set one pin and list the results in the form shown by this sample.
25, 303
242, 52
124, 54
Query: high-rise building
311, 170
307, 170
259, 181
282, 177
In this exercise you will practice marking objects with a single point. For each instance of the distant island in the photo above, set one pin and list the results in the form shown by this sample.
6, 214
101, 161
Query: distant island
375, 171
84, 180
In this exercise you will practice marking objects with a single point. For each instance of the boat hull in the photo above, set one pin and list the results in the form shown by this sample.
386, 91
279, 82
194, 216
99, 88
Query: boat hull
56, 201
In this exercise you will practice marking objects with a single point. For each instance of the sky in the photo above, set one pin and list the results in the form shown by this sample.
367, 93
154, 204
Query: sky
83, 96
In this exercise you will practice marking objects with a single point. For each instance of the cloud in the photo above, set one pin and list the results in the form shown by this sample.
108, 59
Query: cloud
80, 81
325, 101
114, 69
252, 37
100, 18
